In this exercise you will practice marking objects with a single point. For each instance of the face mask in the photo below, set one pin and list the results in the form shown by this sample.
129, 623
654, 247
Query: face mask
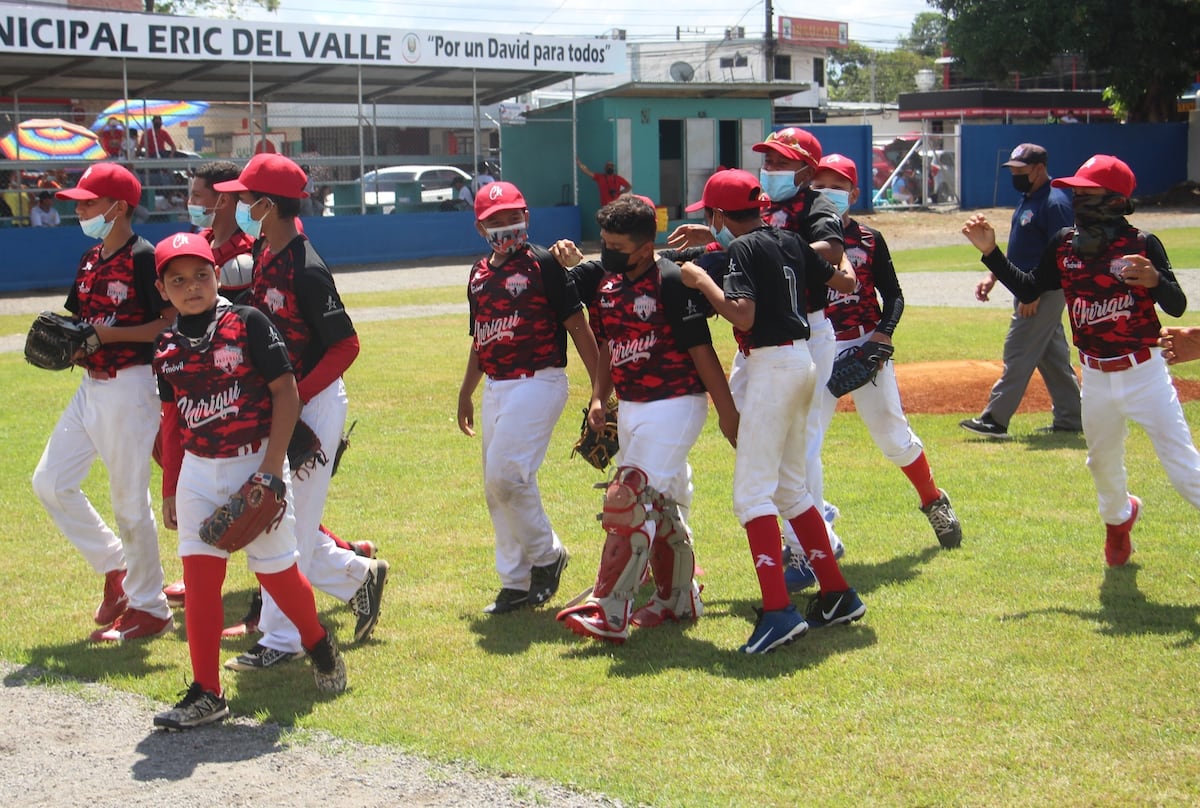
1023, 183
96, 227
779, 185
507, 240
608, 171
723, 236
200, 215
839, 198
1095, 210
245, 223
615, 261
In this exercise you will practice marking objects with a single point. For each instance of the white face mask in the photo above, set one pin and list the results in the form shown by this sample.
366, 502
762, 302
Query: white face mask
839, 198
200, 215
97, 227
248, 225
778, 185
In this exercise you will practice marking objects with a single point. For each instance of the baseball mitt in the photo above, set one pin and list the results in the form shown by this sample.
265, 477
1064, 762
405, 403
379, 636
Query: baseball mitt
598, 448
54, 340
255, 508
856, 366
304, 450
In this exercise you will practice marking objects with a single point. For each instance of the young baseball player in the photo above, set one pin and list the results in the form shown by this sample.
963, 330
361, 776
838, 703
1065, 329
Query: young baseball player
295, 289
770, 273
857, 318
113, 413
656, 351
1113, 275
229, 407
522, 307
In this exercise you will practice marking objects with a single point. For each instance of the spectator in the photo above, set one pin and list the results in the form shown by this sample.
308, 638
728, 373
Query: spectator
902, 188
610, 183
129, 150
463, 198
482, 178
112, 136
158, 142
44, 214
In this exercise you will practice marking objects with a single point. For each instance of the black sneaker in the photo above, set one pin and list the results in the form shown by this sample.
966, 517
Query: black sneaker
197, 707
944, 522
543, 581
367, 600
831, 608
509, 600
329, 669
260, 657
985, 427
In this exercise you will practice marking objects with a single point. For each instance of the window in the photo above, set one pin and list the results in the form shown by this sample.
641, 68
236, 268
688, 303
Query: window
819, 71
783, 67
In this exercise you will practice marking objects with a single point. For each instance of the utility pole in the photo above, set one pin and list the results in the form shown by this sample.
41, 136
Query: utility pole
769, 41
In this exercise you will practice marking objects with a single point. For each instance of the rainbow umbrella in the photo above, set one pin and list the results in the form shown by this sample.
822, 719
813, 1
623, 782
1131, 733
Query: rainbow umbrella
141, 110
51, 139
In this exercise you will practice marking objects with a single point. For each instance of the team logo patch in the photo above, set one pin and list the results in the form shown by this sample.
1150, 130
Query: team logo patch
118, 292
274, 300
1026, 217
644, 306
228, 358
516, 284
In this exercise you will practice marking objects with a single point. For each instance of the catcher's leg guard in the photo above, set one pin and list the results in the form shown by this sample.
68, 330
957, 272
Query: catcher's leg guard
677, 595
605, 615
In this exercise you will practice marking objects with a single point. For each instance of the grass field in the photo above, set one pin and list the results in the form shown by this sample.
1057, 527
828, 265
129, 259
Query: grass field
1014, 671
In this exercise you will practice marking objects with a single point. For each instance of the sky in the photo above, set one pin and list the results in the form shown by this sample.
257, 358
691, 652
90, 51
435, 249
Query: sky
876, 23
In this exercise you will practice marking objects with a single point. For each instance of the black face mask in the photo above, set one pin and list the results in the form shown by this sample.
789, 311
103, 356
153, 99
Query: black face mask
615, 261
1097, 219
1023, 183
609, 170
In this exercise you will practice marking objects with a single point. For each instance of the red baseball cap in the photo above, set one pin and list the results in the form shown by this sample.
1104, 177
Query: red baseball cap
792, 143
497, 196
271, 174
1101, 171
179, 244
108, 181
645, 199
731, 189
840, 164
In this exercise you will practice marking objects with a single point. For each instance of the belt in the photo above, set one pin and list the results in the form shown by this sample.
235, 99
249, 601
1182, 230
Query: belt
1115, 363
249, 448
747, 350
508, 377
851, 333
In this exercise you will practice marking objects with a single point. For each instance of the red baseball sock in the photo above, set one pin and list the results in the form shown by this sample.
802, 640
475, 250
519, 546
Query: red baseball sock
767, 553
814, 538
294, 596
921, 476
338, 540
203, 576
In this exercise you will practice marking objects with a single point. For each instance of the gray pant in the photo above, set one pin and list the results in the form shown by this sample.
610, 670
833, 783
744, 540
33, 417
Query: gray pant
1037, 342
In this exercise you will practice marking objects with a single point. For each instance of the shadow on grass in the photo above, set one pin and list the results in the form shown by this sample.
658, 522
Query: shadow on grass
866, 578
1125, 611
1034, 441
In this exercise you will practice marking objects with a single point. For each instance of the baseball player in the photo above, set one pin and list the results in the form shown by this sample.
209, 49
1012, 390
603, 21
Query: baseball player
113, 413
229, 407
857, 318
522, 307
1035, 339
762, 299
294, 288
1113, 275
656, 351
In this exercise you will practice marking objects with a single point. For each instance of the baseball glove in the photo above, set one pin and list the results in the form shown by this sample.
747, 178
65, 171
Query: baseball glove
343, 445
54, 340
598, 448
304, 450
255, 508
856, 366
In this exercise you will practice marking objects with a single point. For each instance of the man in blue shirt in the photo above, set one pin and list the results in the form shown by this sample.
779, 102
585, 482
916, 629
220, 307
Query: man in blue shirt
1035, 337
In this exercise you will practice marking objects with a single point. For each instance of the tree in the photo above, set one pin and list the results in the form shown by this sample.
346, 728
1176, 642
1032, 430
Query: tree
859, 73
1149, 49
927, 34
222, 8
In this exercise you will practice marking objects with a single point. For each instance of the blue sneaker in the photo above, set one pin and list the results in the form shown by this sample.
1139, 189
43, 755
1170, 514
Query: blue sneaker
773, 629
831, 608
797, 572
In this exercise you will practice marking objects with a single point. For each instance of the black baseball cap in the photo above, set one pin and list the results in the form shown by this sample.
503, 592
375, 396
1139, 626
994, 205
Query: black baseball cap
1027, 154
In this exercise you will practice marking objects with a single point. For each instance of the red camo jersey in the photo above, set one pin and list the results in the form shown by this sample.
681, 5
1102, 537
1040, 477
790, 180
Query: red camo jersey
517, 311
1108, 317
859, 308
649, 363
117, 291
296, 291
221, 386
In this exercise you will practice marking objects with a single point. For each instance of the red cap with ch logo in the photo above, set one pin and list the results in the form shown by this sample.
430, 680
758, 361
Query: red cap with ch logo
1101, 171
731, 189
271, 174
792, 143
840, 164
497, 196
180, 244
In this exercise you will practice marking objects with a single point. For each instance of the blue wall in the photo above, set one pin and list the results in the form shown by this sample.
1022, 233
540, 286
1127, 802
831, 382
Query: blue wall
1157, 153
47, 258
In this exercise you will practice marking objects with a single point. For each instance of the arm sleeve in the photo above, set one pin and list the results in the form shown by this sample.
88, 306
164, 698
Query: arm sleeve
1027, 286
884, 273
586, 276
267, 349
560, 289
170, 426
816, 271
144, 276
1168, 294
337, 360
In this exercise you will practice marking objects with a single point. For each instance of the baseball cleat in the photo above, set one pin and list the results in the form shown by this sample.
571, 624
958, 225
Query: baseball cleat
945, 524
544, 580
249, 623
589, 620
985, 428
329, 669
197, 708
259, 658
134, 624
115, 602
832, 608
175, 593
366, 549
368, 600
508, 600
1117, 544
773, 629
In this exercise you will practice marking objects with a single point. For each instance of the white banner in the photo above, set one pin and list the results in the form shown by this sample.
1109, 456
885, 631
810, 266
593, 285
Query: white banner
65, 31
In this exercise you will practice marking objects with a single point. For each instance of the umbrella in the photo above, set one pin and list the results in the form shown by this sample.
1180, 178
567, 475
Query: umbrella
51, 139
142, 110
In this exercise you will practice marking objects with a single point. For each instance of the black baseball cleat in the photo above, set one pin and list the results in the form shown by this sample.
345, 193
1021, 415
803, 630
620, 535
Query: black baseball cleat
543, 580
508, 600
985, 427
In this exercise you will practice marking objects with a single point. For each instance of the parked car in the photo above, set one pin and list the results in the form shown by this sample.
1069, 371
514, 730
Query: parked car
379, 185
